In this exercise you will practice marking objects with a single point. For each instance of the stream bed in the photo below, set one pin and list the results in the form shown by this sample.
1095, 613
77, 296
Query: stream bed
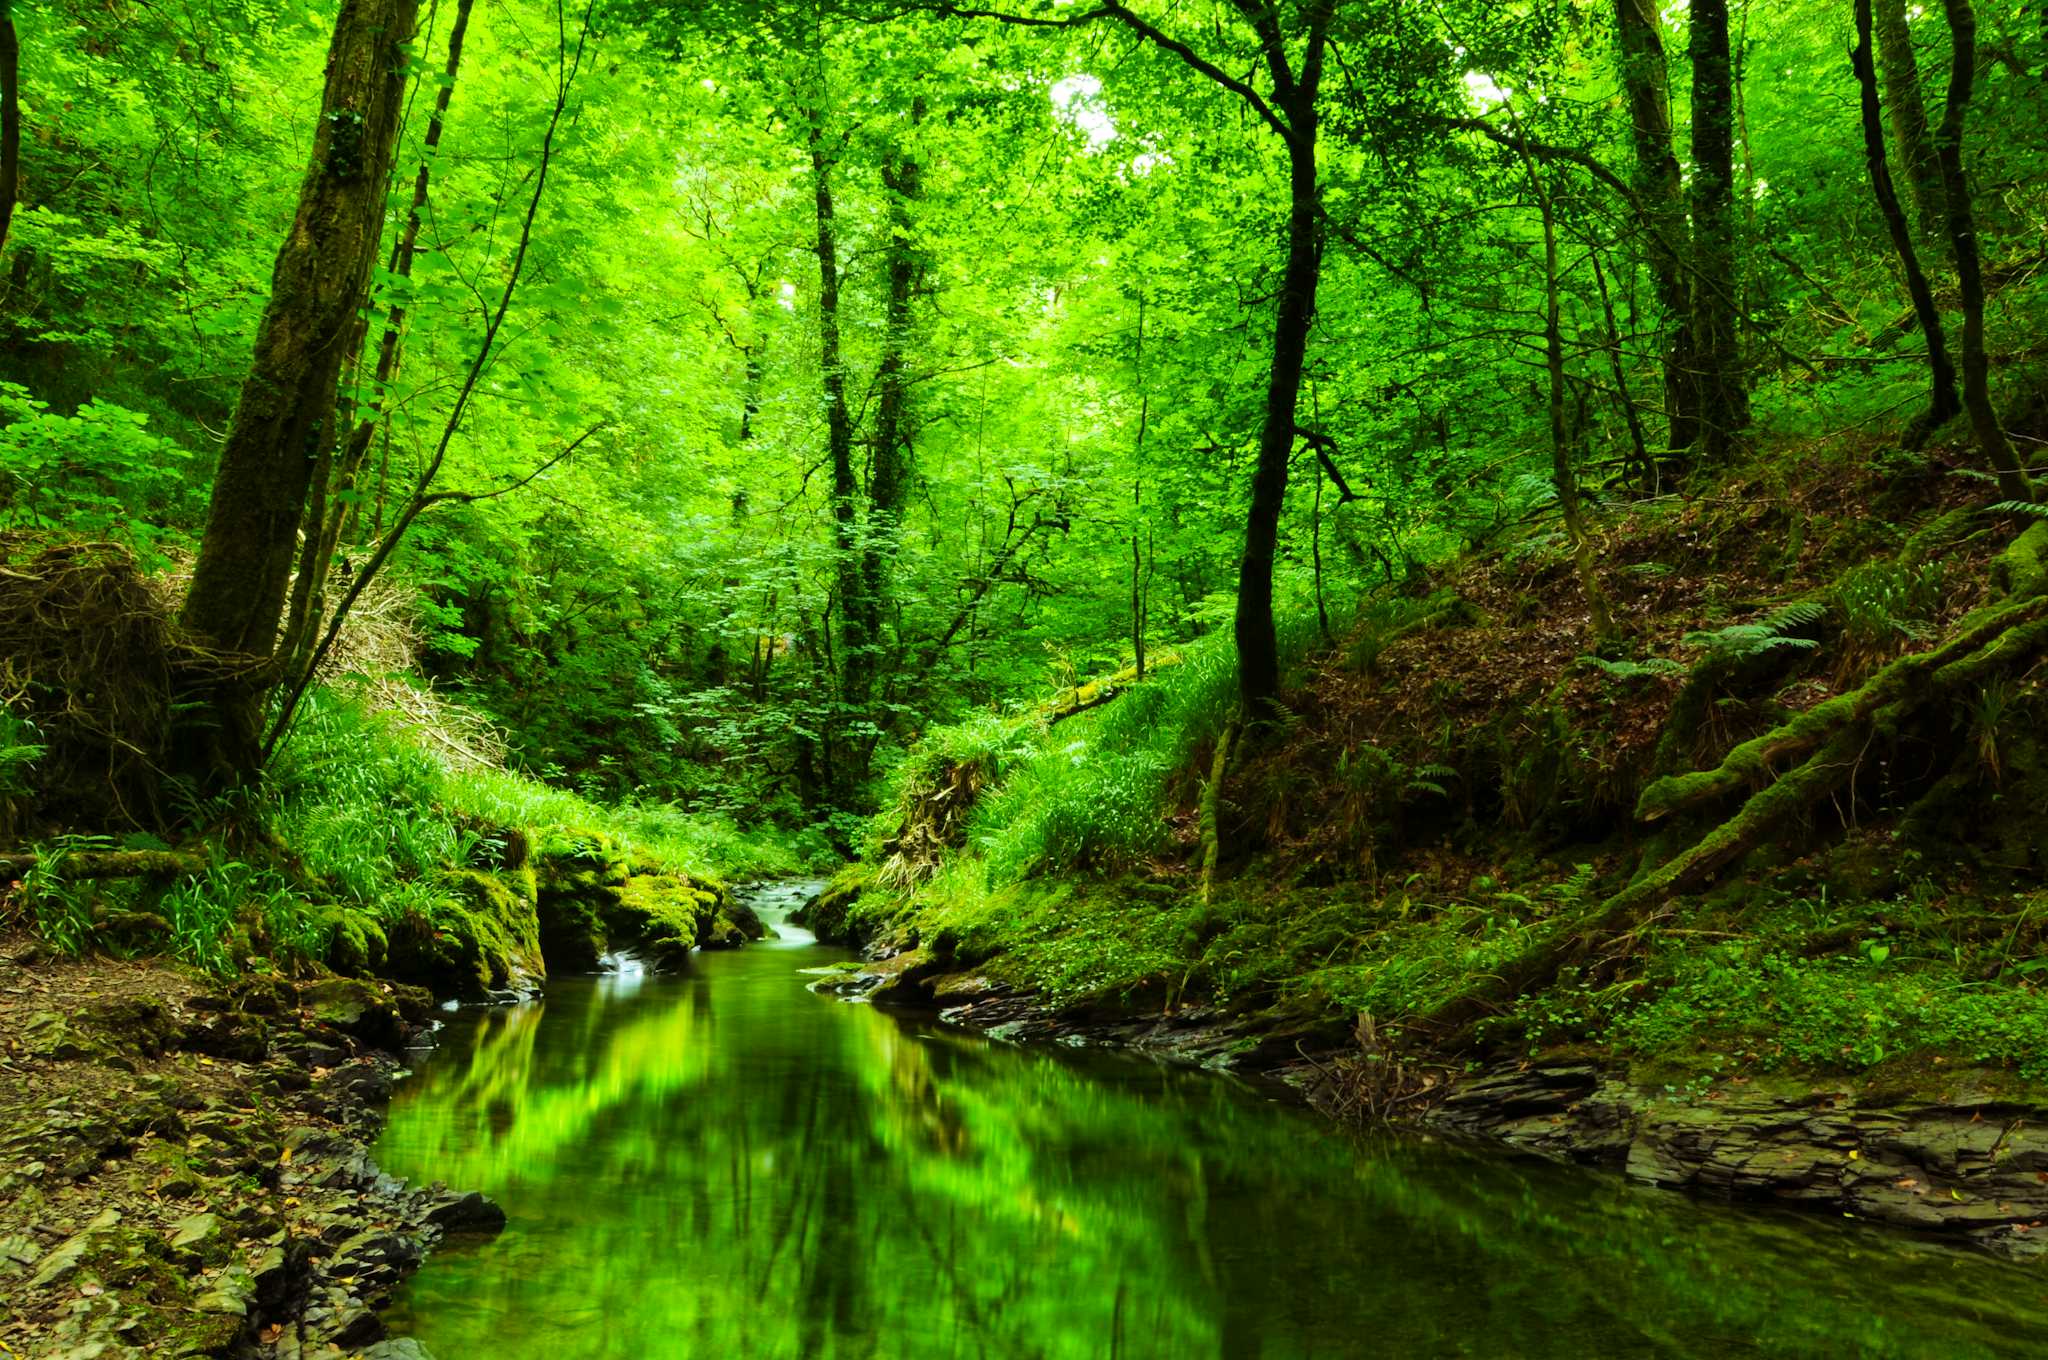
722, 1164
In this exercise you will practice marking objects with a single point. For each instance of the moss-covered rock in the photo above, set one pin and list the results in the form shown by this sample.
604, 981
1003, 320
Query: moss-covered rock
667, 915
831, 916
571, 861
356, 941
577, 877
355, 1008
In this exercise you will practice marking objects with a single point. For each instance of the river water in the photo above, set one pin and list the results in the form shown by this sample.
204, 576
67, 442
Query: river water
725, 1165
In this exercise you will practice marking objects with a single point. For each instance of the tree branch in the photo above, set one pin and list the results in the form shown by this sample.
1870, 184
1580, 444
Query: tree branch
1112, 9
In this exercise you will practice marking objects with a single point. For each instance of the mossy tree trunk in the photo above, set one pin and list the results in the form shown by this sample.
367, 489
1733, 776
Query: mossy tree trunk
237, 597
1907, 105
10, 118
891, 457
1717, 259
852, 667
1962, 231
1294, 92
331, 500
1943, 403
1646, 85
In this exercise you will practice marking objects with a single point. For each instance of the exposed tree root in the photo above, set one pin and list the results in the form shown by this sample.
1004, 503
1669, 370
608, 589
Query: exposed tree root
1756, 761
1823, 749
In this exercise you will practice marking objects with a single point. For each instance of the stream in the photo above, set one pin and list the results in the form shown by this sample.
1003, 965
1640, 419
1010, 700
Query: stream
722, 1164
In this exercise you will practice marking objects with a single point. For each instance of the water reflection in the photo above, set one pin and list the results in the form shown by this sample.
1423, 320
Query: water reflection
723, 1165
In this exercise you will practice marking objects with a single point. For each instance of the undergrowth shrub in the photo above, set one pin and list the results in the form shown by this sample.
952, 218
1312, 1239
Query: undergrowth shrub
369, 810
1093, 792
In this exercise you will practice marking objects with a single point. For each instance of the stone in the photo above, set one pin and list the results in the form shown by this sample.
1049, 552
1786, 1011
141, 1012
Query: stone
467, 1213
355, 1008
62, 1263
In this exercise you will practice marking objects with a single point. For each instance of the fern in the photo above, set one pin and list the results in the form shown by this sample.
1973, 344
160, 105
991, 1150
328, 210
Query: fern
1631, 670
1767, 634
2036, 509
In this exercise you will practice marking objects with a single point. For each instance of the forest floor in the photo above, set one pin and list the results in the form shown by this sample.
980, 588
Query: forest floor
184, 1168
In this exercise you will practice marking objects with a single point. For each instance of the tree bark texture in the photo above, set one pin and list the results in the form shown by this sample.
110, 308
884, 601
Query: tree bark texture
1258, 645
1716, 262
1962, 230
1907, 106
1943, 402
237, 596
330, 508
1646, 84
10, 118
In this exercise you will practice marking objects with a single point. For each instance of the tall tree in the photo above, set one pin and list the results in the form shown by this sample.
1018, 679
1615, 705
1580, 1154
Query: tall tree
1962, 231
1646, 84
1907, 106
330, 500
1716, 256
856, 639
10, 118
1288, 107
1942, 373
282, 421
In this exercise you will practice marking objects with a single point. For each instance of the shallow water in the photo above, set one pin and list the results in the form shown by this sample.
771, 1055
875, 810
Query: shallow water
726, 1165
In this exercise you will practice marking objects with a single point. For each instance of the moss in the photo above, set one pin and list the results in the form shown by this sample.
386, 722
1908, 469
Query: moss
503, 912
356, 941
667, 915
576, 861
832, 916
481, 938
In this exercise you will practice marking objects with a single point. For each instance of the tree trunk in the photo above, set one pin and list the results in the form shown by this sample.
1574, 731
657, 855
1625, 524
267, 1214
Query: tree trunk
1258, 644
237, 596
1717, 265
1942, 403
330, 506
1138, 500
1962, 231
1639, 442
1908, 109
10, 118
889, 468
1564, 477
856, 637
1646, 83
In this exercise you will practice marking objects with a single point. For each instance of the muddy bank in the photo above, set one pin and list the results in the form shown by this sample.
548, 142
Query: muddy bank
1960, 1154
184, 1170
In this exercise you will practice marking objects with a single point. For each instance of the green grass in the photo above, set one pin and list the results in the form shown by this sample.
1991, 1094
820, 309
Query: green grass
363, 818
1089, 794
367, 810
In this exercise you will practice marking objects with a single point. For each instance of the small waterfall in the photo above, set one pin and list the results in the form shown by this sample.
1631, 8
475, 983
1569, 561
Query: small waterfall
775, 902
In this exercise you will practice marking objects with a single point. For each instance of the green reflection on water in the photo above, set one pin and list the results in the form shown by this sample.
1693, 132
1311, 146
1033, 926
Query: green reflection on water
724, 1165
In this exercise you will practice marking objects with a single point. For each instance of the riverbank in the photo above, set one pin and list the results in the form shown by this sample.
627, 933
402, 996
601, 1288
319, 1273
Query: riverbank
1952, 1150
185, 1169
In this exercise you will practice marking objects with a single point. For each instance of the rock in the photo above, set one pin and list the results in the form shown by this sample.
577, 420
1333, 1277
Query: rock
415, 1004
17, 1253
134, 1024
46, 1034
398, 1348
467, 1213
238, 1038
355, 1008
62, 1263
263, 994
199, 1236
1972, 1169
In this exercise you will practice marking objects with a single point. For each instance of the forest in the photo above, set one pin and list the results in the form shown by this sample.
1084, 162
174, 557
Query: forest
1478, 565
